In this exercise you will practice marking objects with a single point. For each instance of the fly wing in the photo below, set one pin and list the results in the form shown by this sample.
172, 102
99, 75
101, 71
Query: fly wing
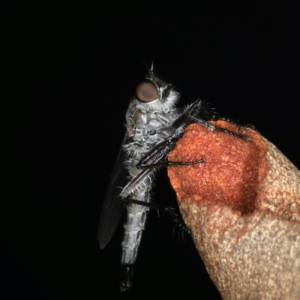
113, 206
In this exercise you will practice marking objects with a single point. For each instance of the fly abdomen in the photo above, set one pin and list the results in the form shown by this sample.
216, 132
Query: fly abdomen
133, 228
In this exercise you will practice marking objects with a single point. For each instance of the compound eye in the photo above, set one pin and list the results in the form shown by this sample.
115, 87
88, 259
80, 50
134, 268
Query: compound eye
146, 91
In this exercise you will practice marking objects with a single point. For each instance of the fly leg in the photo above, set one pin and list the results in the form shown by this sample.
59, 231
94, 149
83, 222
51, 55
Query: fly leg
153, 160
216, 128
169, 210
190, 116
167, 163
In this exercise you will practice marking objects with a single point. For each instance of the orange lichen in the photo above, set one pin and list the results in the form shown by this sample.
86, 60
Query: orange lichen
230, 173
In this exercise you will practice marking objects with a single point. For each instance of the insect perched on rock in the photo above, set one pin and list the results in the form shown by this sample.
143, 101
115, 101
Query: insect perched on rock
153, 126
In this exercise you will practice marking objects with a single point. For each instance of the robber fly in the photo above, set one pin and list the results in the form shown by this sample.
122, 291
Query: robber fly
153, 126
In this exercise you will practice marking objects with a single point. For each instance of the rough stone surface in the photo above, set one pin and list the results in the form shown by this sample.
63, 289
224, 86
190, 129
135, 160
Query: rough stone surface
243, 208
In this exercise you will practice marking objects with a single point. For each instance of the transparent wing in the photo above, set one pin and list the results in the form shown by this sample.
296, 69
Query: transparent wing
113, 206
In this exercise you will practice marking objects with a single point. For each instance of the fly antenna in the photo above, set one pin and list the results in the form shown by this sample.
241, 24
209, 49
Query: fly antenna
152, 65
152, 69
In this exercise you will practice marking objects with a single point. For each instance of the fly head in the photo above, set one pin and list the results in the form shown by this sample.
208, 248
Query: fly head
155, 94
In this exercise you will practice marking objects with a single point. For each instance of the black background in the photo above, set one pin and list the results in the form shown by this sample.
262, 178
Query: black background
76, 68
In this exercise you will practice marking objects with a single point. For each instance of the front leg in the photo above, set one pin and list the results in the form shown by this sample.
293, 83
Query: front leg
191, 116
140, 180
216, 128
167, 163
